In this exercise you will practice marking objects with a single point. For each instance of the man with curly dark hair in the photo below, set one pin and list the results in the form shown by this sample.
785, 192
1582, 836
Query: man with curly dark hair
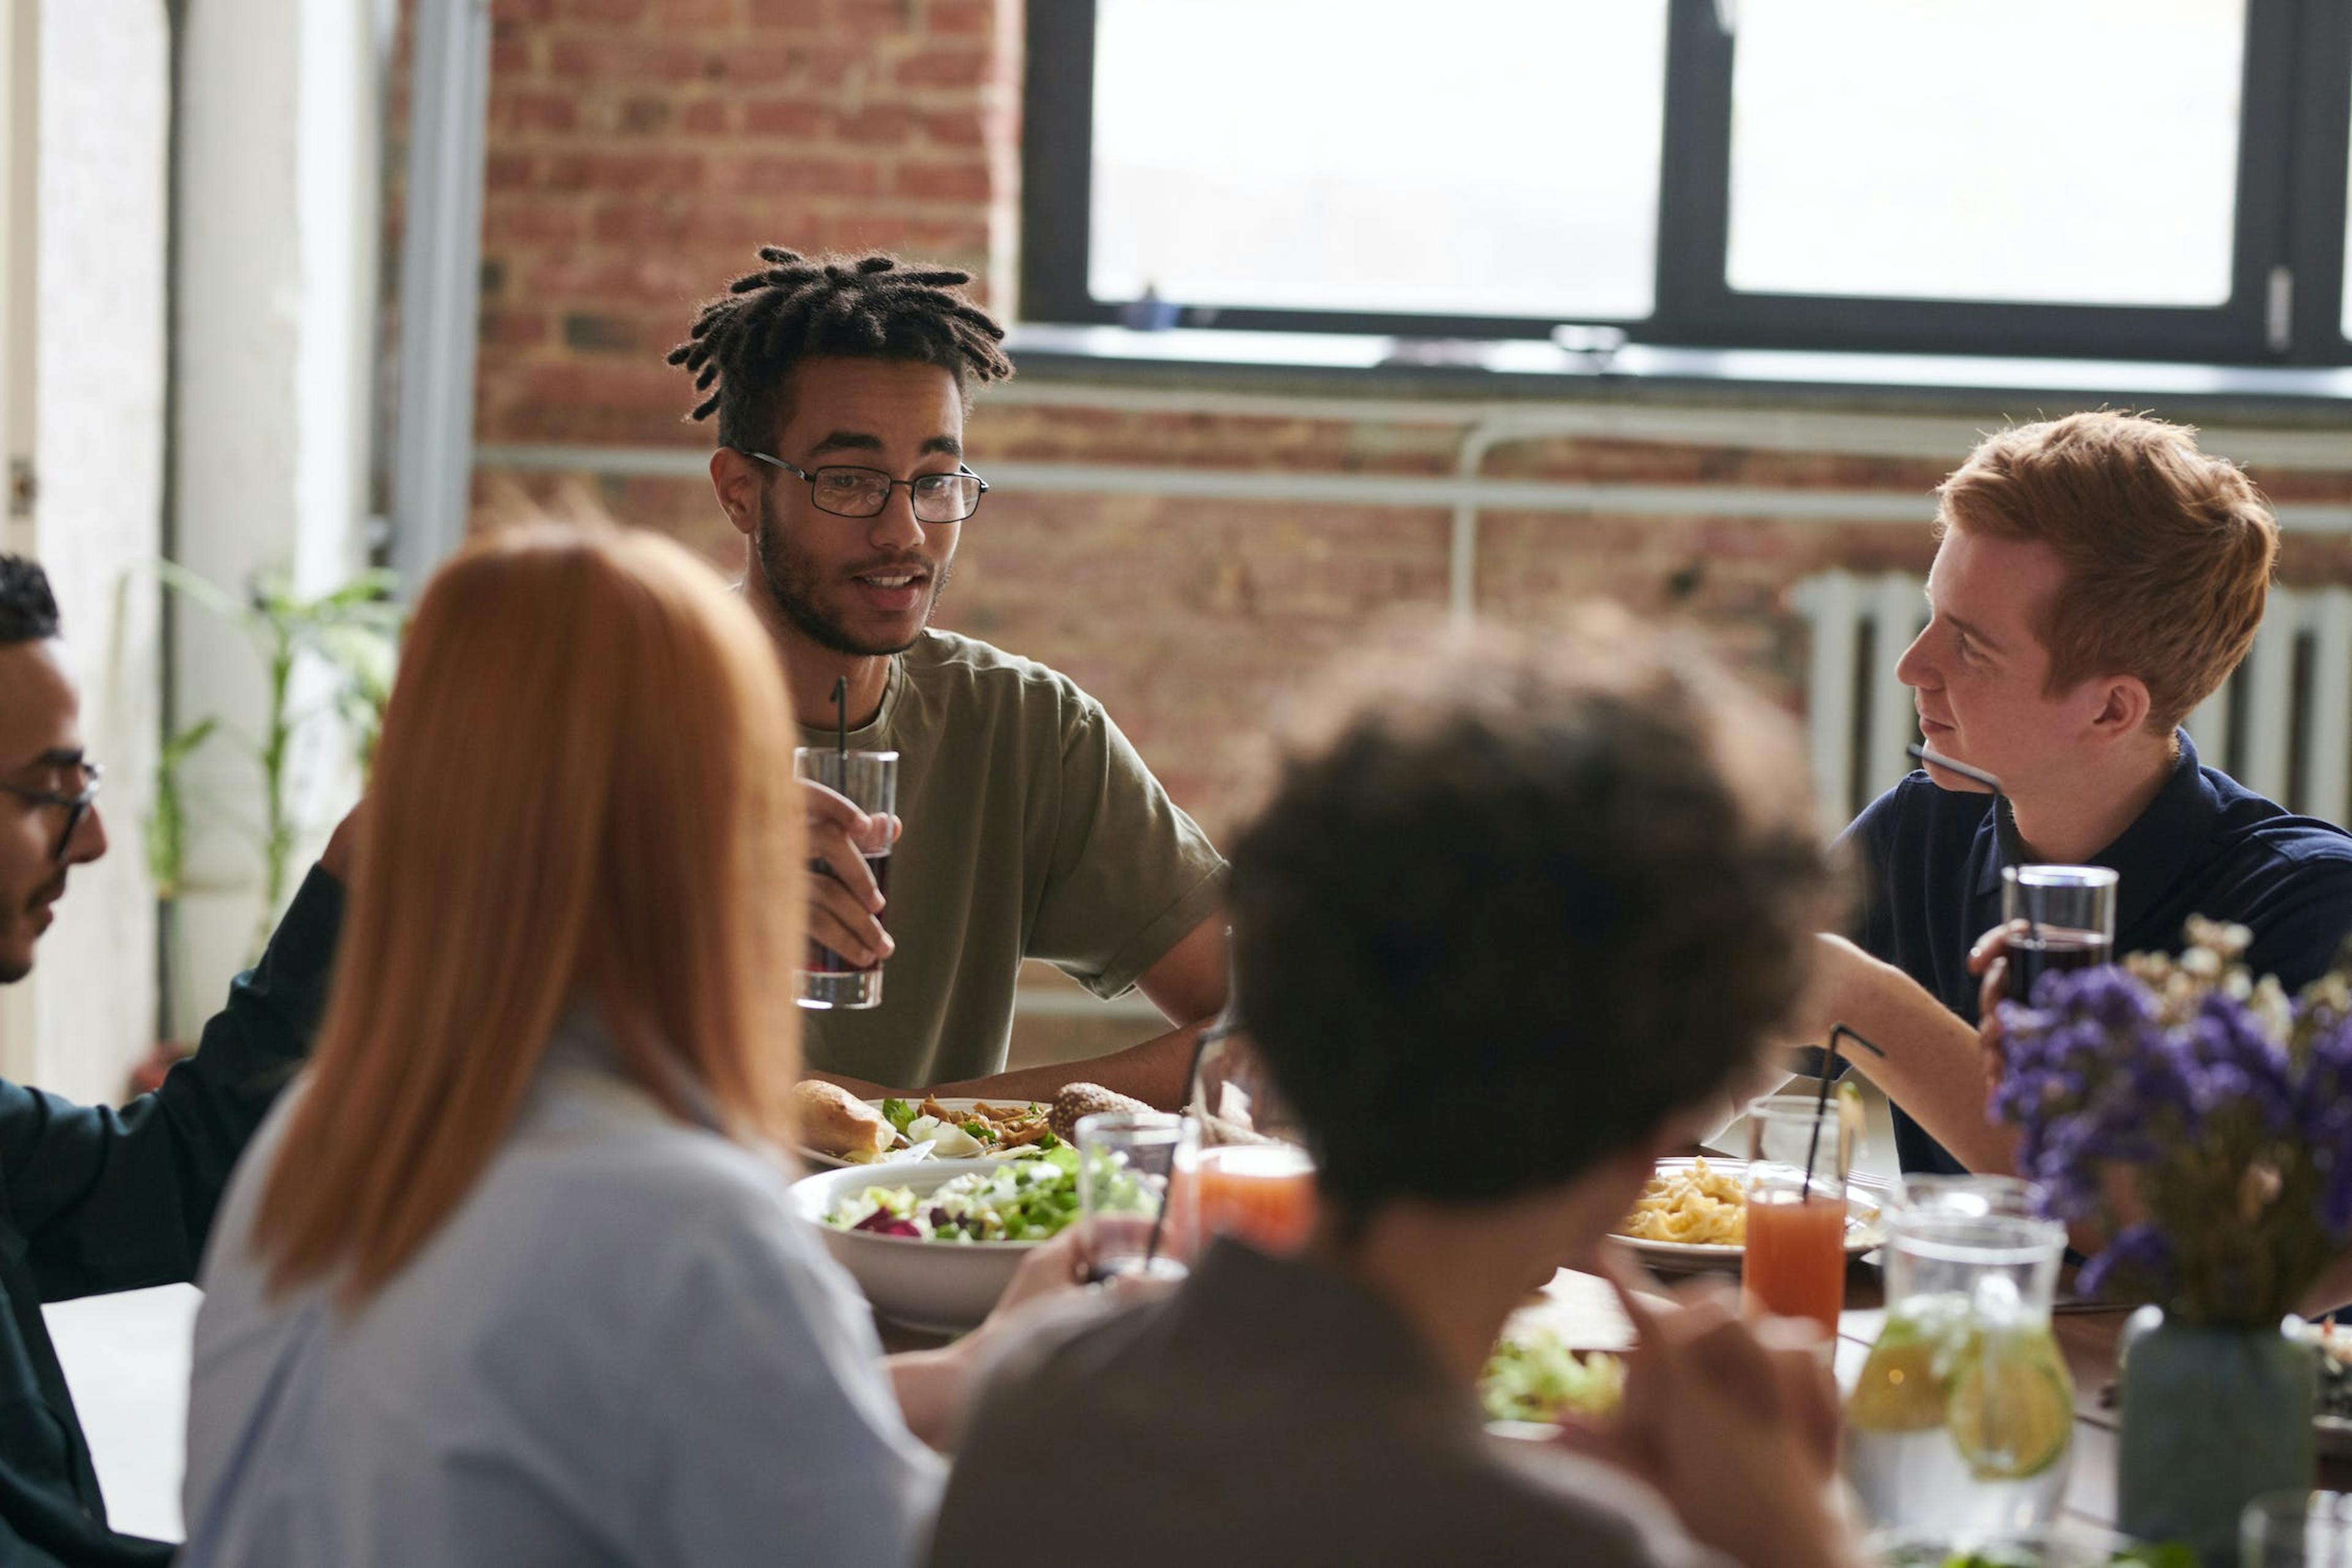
1517, 910
1027, 826
95, 1199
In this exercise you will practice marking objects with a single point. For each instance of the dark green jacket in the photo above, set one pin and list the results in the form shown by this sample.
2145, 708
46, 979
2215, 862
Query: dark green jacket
94, 1199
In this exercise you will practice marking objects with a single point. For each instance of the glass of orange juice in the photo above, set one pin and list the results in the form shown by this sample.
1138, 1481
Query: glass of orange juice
1262, 1193
1251, 1176
1798, 1151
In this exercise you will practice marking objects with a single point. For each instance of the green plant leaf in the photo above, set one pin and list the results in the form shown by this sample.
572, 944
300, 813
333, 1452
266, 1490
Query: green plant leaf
353, 629
202, 590
179, 747
167, 823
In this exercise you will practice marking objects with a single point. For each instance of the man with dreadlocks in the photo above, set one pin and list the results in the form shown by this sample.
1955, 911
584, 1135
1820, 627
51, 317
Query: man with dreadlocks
1027, 826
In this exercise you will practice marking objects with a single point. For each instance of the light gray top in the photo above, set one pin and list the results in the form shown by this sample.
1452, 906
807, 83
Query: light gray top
620, 1348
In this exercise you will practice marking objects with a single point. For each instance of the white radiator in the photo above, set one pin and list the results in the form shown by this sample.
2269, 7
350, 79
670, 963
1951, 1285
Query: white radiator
2281, 724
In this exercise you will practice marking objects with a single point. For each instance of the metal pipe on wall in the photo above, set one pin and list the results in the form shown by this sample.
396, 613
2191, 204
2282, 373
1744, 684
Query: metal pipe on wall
440, 281
1839, 432
1464, 493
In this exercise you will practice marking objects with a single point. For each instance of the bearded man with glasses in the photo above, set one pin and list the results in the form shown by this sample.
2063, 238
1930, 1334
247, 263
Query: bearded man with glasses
95, 1199
1027, 827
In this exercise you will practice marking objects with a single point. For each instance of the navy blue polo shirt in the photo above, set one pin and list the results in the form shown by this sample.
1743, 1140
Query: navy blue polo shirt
2205, 846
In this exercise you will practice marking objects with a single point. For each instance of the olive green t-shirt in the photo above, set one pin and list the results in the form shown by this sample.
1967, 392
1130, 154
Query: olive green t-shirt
1031, 829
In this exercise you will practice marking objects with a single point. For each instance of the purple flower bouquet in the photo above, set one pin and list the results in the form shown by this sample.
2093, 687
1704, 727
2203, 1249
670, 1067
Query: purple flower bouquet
2198, 1119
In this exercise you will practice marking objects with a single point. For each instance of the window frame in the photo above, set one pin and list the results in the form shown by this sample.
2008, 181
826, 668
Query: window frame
2295, 120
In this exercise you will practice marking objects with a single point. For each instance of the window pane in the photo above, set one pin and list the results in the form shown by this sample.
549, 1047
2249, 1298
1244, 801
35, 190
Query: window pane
2081, 150
2347, 251
1302, 155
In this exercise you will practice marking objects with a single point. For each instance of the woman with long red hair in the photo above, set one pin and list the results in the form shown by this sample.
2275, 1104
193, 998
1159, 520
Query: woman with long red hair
508, 1277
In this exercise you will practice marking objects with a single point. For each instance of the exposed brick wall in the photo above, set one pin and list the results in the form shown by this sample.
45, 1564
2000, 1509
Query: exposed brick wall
1191, 617
639, 149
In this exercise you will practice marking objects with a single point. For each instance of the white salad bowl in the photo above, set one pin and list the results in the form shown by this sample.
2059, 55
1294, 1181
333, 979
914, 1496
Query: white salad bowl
942, 1286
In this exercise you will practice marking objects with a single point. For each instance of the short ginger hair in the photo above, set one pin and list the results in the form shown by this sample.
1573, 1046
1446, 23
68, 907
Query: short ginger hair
2167, 551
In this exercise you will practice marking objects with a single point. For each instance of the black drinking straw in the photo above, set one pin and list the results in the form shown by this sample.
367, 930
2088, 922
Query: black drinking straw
1936, 760
1999, 802
841, 724
1822, 1103
1210, 1033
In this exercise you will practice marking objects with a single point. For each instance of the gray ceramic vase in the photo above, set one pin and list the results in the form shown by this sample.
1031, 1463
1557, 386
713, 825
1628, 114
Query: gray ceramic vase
2212, 1418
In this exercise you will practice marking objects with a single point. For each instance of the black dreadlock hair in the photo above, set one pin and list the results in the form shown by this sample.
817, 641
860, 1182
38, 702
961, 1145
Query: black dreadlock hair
862, 307
28, 611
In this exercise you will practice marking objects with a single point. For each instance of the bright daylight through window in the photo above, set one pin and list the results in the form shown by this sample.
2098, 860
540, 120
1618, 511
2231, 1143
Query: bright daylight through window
1289, 153
1997, 149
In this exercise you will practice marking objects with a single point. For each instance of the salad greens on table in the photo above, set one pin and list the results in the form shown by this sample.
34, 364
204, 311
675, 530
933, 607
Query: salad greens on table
1535, 1377
2170, 1554
1021, 1200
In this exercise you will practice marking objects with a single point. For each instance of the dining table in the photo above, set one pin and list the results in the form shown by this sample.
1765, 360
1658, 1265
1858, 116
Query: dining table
2087, 1334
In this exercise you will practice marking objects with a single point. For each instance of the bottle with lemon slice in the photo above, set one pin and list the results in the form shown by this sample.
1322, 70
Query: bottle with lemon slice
1960, 1424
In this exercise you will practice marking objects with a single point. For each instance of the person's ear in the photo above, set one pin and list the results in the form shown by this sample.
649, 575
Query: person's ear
735, 480
2123, 708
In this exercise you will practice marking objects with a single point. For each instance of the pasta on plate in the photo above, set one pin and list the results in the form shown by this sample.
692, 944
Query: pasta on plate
1694, 1204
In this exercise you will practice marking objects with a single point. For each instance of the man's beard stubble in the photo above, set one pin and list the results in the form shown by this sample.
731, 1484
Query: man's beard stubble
791, 586
46, 894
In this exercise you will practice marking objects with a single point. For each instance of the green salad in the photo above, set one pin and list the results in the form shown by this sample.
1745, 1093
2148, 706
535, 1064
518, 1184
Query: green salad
1021, 1200
1535, 1377
2171, 1554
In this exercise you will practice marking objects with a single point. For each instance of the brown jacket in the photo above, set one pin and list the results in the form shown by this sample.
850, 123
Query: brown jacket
1267, 1413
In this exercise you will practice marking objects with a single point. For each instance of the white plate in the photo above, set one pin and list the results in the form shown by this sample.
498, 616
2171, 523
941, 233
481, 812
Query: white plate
816, 1162
944, 1287
1866, 1199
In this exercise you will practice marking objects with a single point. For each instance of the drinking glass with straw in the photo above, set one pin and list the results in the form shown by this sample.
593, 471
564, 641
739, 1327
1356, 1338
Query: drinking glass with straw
2061, 919
869, 781
1798, 1157
2297, 1530
1253, 1178
1127, 1166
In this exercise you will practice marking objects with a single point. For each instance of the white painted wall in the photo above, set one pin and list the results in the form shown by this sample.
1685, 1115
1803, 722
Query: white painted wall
87, 1013
277, 274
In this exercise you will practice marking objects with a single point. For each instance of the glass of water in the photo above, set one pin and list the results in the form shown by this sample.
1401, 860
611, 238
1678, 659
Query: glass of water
869, 780
1127, 1163
2297, 1530
2060, 919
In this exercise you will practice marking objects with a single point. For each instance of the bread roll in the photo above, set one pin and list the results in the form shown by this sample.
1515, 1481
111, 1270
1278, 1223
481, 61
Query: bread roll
1079, 1099
834, 1122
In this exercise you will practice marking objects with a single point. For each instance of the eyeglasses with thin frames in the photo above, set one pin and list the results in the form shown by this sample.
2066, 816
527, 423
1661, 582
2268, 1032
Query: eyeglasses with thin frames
845, 490
77, 805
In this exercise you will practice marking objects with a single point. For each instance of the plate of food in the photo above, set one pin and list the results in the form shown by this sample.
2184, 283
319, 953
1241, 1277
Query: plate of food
837, 1129
934, 1243
1560, 1353
1694, 1215
1534, 1377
